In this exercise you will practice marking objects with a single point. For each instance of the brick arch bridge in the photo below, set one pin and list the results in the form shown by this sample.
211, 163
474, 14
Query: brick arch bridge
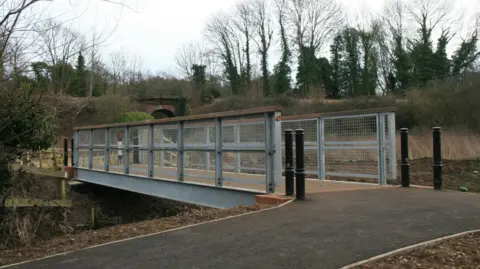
161, 107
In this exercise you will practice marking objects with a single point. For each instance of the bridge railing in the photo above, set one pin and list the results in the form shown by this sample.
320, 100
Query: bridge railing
236, 149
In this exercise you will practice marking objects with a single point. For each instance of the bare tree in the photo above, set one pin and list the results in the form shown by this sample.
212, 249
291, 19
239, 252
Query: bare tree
57, 43
220, 32
190, 54
428, 15
243, 22
264, 28
313, 21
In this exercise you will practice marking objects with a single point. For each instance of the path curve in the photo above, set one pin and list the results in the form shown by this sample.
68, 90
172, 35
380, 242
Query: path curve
329, 230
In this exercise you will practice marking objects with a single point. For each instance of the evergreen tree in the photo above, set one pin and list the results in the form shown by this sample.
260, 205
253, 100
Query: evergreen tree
79, 84
441, 64
336, 59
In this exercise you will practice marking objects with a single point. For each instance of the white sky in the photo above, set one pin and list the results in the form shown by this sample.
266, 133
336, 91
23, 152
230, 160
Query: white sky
158, 28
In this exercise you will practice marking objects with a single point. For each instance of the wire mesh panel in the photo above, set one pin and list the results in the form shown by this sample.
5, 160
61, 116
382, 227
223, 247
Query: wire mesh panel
243, 152
310, 127
98, 150
351, 146
198, 137
83, 143
165, 138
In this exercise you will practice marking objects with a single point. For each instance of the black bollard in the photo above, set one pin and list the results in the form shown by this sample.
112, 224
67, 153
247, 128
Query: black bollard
404, 163
300, 166
73, 150
289, 170
437, 158
65, 152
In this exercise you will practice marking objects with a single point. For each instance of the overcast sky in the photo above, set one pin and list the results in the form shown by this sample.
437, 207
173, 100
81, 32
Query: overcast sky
154, 30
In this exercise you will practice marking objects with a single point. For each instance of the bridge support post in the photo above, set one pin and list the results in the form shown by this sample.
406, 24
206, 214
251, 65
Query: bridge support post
107, 149
300, 163
150, 150
180, 153
207, 144
126, 150
238, 160
382, 171
90, 150
437, 159
321, 148
289, 170
404, 163
218, 153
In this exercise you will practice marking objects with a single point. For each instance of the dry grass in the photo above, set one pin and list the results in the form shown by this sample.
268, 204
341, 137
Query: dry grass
456, 145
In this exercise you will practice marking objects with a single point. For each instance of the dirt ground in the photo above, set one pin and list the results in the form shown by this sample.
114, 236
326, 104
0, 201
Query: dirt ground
94, 237
461, 252
456, 174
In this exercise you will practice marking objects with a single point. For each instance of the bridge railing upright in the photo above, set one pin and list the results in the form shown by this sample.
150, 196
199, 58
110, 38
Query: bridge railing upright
235, 149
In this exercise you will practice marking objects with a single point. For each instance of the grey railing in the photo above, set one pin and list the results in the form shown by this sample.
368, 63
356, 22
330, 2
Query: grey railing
350, 144
215, 149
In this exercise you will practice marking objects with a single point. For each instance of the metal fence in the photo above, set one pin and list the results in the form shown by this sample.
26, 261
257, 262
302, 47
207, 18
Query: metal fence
236, 149
349, 145
244, 150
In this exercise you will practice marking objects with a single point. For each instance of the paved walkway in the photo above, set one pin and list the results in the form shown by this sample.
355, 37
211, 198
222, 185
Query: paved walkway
329, 230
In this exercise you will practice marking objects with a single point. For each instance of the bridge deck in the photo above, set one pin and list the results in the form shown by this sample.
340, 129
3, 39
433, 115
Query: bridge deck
255, 182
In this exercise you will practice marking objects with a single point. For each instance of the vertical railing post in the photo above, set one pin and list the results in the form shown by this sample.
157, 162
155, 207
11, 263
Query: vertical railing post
180, 151
107, 149
207, 144
321, 148
161, 142
393, 146
272, 147
238, 161
437, 159
126, 150
300, 163
289, 170
404, 163
65, 152
90, 150
381, 149
75, 151
150, 150
218, 153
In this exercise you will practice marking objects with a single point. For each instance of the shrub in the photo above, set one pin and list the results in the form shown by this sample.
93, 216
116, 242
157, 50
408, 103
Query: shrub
134, 116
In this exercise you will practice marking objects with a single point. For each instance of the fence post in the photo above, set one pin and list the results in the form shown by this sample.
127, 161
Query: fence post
437, 159
238, 161
300, 163
207, 145
90, 150
107, 149
404, 163
150, 142
381, 149
180, 151
218, 153
289, 171
65, 152
393, 146
126, 150
321, 148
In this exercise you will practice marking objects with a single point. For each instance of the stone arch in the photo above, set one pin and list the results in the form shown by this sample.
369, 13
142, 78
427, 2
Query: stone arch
162, 113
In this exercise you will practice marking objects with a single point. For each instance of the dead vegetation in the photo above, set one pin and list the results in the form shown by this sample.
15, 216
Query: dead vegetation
88, 238
460, 252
